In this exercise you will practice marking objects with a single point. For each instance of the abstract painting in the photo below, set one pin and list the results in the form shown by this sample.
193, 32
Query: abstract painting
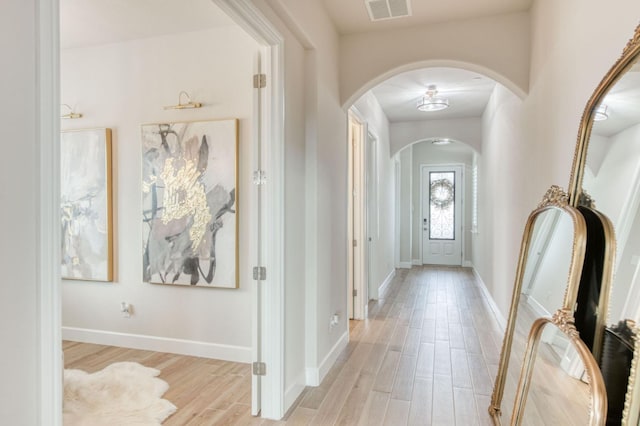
85, 204
190, 224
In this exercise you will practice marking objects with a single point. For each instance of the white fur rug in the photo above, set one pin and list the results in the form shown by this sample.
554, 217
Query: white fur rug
124, 393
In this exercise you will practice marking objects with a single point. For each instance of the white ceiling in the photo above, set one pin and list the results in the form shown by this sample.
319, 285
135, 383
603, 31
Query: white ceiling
90, 22
351, 16
623, 105
468, 93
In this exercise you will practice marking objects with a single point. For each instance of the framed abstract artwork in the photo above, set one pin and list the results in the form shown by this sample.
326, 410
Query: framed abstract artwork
190, 203
85, 205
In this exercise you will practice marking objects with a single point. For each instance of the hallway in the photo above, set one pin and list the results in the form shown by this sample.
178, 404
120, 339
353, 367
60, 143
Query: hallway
427, 355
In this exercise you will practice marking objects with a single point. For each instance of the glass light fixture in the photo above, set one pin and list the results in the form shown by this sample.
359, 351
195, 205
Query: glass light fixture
431, 102
441, 141
601, 113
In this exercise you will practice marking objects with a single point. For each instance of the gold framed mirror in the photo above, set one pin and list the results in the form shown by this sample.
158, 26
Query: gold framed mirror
546, 394
547, 277
606, 179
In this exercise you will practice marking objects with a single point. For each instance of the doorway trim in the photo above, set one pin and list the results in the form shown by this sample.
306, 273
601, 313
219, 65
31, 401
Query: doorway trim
50, 365
271, 306
372, 217
356, 223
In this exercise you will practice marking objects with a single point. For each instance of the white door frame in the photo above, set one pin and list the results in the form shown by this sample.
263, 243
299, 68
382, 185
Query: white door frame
249, 17
271, 306
357, 227
49, 404
462, 206
397, 173
372, 182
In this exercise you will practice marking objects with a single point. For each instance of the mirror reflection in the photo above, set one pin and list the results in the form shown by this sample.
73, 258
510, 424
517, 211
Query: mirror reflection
542, 291
612, 179
556, 389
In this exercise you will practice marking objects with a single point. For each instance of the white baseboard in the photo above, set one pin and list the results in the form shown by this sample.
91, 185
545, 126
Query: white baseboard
539, 310
159, 344
404, 265
293, 392
316, 375
385, 284
416, 262
502, 322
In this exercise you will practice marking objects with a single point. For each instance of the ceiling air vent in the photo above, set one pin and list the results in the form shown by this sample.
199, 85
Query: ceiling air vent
387, 9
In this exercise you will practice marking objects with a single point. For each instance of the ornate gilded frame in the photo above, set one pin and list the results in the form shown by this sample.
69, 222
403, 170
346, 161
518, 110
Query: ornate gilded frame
563, 320
630, 53
631, 413
578, 197
554, 198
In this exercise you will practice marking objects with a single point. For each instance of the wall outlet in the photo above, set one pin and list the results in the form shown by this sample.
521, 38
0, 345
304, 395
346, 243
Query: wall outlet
334, 320
126, 309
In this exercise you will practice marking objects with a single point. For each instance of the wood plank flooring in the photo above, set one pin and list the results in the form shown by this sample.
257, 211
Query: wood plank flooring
427, 355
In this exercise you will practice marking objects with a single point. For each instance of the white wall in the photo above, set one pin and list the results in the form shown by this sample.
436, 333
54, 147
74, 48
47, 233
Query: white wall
121, 86
497, 46
610, 185
468, 130
19, 195
569, 57
382, 243
325, 183
614, 187
503, 202
425, 153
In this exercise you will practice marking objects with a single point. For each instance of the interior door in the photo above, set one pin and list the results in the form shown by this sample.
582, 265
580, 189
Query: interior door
370, 290
441, 219
357, 231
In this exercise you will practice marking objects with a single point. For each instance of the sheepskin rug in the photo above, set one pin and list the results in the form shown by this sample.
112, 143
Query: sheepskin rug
124, 393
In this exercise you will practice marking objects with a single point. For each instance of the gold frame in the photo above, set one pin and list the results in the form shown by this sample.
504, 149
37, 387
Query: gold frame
108, 164
554, 198
630, 53
236, 180
578, 197
563, 320
631, 412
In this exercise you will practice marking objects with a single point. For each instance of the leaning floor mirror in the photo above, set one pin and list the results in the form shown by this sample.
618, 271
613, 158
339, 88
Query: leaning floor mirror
606, 180
547, 278
547, 394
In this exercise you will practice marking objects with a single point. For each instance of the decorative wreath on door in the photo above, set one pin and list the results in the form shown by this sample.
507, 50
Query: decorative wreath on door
442, 193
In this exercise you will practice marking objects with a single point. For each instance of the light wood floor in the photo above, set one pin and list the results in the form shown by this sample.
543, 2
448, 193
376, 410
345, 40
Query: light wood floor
427, 355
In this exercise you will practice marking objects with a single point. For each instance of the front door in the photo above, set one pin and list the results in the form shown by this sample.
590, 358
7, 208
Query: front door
441, 215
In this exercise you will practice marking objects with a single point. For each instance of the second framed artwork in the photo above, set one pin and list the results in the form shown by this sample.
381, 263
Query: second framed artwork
190, 215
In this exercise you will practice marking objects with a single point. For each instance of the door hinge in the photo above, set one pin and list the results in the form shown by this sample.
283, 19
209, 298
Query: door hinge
259, 273
355, 292
259, 369
259, 177
259, 81
355, 243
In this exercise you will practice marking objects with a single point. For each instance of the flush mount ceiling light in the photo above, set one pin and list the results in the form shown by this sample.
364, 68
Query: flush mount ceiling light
431, 102
601, 113
443, 141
